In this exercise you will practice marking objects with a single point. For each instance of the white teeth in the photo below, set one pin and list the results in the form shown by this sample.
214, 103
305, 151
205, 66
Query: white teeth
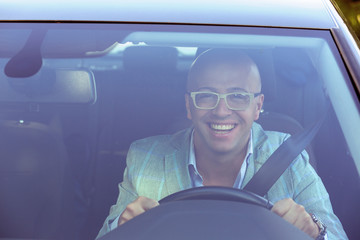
224, 127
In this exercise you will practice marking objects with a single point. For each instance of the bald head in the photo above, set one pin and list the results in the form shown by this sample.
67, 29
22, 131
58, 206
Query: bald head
230, 63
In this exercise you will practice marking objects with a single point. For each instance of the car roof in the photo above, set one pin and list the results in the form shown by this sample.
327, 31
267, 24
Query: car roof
277, 13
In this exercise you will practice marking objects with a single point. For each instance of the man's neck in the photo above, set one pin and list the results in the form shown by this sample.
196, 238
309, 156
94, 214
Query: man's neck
220, 169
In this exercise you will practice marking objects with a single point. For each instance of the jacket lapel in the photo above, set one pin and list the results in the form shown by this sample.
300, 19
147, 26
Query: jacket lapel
177, 176
259, 156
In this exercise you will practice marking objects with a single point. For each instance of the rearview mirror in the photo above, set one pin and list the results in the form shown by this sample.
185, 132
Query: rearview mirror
49, 86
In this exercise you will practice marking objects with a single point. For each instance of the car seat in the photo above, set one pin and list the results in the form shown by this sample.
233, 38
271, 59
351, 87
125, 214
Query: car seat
32, 159
33, 156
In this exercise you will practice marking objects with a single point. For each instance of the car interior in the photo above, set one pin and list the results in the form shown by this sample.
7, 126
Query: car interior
65, 131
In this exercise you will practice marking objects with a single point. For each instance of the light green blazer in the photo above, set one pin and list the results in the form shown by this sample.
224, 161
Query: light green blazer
157, 167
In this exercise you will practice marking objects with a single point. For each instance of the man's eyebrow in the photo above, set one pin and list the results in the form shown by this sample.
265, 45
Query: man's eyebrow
207, 89
229, 90
236, 89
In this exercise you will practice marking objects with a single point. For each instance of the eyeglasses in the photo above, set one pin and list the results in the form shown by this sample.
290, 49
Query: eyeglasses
234, 101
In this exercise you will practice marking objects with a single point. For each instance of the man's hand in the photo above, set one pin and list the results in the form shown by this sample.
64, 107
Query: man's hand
296, 215
137, 207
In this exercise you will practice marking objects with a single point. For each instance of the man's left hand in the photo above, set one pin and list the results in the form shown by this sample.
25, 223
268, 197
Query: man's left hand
296, 215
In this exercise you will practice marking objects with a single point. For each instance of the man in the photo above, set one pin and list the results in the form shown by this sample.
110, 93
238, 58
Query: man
224, 148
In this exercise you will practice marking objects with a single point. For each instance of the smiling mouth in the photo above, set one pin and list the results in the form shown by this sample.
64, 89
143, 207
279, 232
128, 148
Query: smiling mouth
222, 128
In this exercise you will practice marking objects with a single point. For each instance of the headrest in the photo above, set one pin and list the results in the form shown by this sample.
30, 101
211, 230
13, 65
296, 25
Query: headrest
264, 61
294, 65
149, 58
49, 86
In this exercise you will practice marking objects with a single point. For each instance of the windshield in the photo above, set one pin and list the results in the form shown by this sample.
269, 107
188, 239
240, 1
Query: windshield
75, 96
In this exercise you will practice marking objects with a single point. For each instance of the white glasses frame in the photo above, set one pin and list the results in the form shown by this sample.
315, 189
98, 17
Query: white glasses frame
223, 96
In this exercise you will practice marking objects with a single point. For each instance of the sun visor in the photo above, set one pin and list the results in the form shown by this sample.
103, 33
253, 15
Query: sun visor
49, 86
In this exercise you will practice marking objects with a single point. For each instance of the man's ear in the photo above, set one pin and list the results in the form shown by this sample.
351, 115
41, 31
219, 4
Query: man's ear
259, 104
187, 104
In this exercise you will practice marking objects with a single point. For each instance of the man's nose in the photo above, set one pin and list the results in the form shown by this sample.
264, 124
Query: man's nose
222, 109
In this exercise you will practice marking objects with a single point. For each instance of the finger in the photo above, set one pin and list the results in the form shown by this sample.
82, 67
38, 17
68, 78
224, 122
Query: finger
282, 207
132, 210
289, 210
295, 215
137, 207
302, 220
147, 203
309, 226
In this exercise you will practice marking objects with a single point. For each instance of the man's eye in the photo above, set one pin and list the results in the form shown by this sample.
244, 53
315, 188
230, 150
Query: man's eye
238, 96
206, 96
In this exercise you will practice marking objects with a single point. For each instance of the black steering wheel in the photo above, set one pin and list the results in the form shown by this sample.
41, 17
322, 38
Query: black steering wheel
218, 193
210, 213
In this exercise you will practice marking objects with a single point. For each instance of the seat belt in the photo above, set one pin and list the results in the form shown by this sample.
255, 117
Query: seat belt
281, 159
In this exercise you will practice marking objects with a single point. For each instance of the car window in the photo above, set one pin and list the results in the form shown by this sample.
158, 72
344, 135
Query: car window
67, 126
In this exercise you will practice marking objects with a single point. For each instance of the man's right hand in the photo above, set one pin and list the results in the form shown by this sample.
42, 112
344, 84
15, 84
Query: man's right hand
137, 207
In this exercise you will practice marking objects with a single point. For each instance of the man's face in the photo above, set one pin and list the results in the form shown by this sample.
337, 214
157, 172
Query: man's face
221, 130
